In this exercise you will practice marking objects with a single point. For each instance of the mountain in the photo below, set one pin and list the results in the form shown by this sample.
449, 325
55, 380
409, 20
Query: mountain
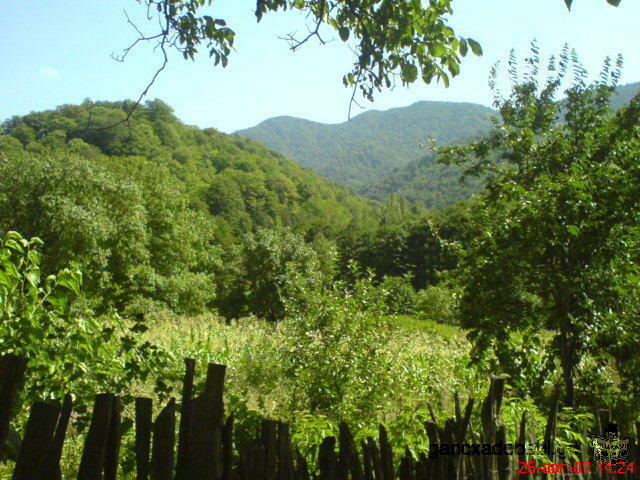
624, 94
242, 184
424, 181
372, 144
152, 209
437, 186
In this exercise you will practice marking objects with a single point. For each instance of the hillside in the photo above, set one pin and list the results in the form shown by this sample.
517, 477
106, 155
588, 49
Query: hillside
424, 181
438, 186
372, 144
151, 207
624, 95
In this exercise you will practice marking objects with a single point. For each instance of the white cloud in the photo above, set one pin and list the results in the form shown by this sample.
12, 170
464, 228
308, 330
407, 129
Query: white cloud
50, 72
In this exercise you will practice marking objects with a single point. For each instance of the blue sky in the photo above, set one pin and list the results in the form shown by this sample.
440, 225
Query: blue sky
58, 51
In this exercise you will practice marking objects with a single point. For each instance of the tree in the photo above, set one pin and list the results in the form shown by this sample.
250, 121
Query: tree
69, 349
268, 263
556, 254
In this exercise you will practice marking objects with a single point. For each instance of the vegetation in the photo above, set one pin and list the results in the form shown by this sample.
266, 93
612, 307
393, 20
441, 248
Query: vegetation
149, 208
425, 181
551, 280
372, 144
149, 241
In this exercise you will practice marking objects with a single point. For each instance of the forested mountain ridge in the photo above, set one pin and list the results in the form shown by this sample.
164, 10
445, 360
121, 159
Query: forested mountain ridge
623, 95
378, 152
373, 143
149, 206
435, 185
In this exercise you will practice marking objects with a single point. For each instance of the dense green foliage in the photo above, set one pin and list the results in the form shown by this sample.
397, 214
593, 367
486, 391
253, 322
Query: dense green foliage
147, 207
371, 144
551, 282
325, 307
409, 242
425, 181
69, 350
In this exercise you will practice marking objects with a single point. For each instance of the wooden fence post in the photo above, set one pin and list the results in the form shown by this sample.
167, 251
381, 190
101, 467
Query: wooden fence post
186, 412
348, 452
285, 459
12, 368
164, 432
328, 459
51, 470
93, 456
112, 448
386, 454
37, 440
206, 430
144, 420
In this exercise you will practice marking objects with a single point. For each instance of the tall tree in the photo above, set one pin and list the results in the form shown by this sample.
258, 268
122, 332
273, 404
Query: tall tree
557, 250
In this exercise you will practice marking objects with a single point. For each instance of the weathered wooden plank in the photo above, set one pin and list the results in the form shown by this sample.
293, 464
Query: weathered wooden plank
164, 433
186, 412
51, 470
144, 420
386, 454
93, 456
255, 461
376, 461
328, 459
406, 470
37, 440
12, 368
112, 448
269, 438
205, 459
367, 461
349, 453
522, 439
285, 459
503, 461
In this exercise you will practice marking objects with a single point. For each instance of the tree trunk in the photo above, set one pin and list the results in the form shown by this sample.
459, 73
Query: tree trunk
568, 361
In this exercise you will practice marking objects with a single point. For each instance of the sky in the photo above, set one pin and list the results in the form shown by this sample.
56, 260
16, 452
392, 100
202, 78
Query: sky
59, 51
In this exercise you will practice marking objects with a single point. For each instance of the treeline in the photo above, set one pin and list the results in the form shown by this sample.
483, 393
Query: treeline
151, 209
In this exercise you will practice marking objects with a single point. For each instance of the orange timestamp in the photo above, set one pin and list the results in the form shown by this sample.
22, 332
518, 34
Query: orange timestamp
577, 467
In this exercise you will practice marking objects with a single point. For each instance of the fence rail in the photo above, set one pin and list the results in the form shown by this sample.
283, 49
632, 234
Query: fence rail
206, 449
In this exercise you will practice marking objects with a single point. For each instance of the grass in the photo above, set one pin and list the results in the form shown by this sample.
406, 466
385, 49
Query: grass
414, 324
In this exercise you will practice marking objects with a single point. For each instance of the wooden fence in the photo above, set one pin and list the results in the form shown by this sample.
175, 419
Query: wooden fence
206, 449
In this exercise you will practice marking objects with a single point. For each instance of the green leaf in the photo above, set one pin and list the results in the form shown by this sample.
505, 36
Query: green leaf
475, 47
568, 3
573, 230
615, 3
464, 47
72, 279
344, 33
12, 244
445, 79
437, 49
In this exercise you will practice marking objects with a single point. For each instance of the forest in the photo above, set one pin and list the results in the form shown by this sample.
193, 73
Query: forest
130, 241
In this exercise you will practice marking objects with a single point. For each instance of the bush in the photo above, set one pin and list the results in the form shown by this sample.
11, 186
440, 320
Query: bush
69, 351
438, 303
399, 295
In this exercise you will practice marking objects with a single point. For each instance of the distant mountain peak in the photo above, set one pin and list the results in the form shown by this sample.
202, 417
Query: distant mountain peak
373, 143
